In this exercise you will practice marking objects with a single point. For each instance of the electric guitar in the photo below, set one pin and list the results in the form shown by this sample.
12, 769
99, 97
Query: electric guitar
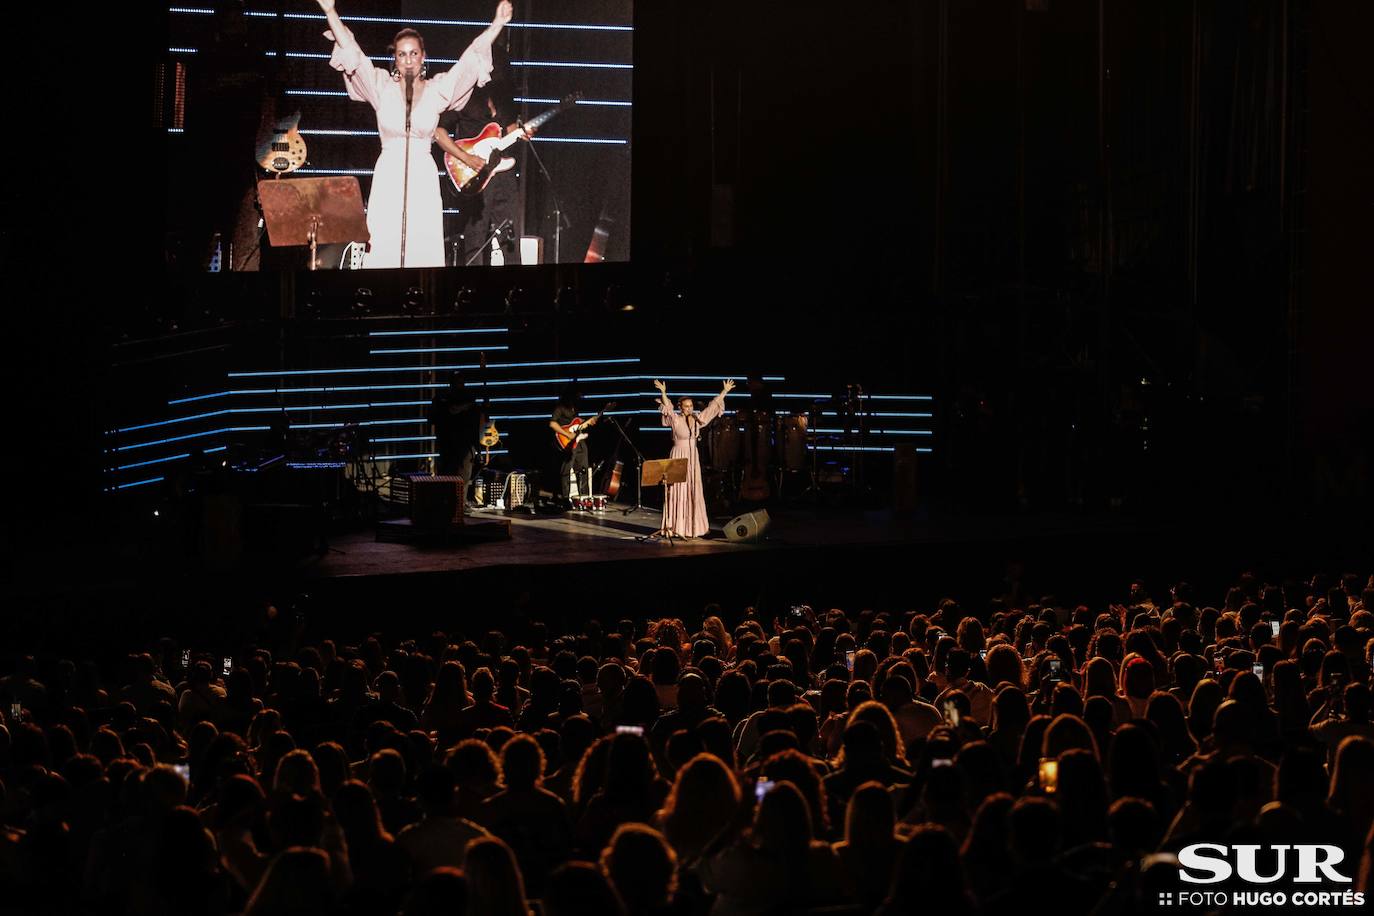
489, 145
576, 431
280, 147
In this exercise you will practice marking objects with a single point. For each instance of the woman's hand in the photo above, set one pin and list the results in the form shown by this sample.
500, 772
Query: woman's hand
504, 12
327, 6
729, 385
662, 388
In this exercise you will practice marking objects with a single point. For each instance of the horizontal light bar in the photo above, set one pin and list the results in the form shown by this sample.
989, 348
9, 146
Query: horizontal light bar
438, 332
530, 365
377, 58
899, 397
359, 423
873, 413
199, 435
604, 103
575, 64
144, 464
590, 140
473, 23
136, 483
372, 133
405, 439
342, 388
700, 378
439, 350
865, 448
877, 432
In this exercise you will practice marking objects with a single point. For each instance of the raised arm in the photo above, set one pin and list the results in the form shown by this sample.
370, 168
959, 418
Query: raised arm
362, 79
717, 405
454, 86
504, 12
338, 33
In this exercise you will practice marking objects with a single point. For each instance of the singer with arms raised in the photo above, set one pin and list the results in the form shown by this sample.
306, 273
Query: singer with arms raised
684, 504
404, 210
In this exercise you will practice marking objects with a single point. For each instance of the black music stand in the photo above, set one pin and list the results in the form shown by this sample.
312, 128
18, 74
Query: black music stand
662, 471
313, 211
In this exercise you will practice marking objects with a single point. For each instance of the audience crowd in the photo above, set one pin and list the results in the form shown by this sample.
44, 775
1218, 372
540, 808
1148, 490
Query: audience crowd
958, 759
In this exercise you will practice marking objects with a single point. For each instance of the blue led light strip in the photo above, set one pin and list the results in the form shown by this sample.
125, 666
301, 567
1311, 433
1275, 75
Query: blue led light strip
878, 432
596, 103
144, 464
438, 332
439, 350
604, 103
566, 362
472, 23
136, 483
877, 413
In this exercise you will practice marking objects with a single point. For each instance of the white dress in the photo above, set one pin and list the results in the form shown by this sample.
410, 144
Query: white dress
430, 98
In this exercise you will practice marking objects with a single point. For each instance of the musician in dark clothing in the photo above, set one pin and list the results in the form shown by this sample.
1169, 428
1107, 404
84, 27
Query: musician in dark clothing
457, 421
574, 457
480, 214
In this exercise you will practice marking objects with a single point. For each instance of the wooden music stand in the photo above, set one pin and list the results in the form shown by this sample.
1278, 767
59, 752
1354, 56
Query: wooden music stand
662, 471
313, 211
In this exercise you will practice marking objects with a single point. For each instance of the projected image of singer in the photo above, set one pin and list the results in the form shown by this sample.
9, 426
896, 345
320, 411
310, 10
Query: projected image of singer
404, 209
684, 505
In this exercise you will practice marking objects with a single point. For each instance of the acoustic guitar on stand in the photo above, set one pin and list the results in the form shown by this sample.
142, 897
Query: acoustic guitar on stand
576, 431
489, 145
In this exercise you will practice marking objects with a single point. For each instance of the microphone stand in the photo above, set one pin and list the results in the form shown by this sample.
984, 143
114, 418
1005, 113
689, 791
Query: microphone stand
405, 171
639, 468
558, 221
486, 243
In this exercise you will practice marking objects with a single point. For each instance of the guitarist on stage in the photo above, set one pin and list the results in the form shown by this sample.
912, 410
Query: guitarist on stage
479, 214
573, 457
457, 421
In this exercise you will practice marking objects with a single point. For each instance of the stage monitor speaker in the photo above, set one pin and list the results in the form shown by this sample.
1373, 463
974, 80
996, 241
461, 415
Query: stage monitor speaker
436, 502
748, 528
531, 249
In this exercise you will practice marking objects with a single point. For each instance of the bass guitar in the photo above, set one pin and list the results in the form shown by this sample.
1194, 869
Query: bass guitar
491, 436
280, 147
489, 144
576, 431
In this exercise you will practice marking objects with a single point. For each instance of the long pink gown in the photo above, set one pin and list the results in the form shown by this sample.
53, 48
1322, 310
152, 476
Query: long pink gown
447, 91
684, 505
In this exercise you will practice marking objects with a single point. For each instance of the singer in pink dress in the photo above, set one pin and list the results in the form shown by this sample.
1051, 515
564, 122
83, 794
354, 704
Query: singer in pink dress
684, 504
385, 91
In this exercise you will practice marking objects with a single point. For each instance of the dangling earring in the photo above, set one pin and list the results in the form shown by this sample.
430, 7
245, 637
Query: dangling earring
424, 70
395, 72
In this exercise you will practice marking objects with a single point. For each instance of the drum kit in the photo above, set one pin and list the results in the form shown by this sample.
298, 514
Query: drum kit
753, 455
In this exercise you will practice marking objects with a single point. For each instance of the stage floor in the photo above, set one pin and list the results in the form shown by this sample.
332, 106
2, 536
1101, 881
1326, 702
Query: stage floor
578, 538
573, 538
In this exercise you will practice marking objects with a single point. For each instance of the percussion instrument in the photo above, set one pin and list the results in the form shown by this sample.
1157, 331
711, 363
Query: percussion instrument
791, 438
724, 442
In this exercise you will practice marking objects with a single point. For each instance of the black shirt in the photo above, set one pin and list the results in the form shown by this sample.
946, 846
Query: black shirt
456, 432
